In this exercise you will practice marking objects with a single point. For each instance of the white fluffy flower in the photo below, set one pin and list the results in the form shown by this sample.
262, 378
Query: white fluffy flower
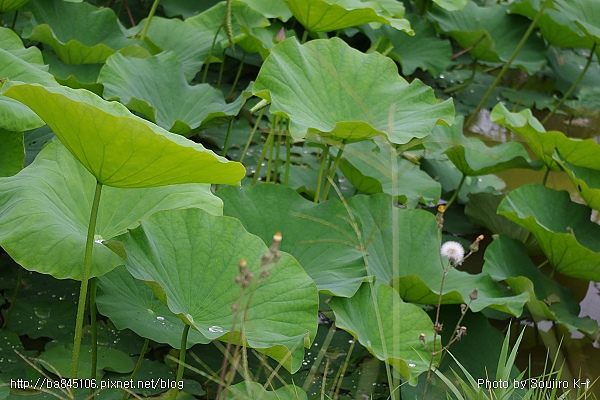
453, 251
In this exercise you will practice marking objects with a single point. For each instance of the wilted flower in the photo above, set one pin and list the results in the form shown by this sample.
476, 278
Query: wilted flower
453, 251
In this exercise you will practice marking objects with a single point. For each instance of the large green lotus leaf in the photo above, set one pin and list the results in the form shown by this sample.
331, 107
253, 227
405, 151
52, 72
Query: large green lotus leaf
318, 236
324, 242
481, 209
11, 5
328, 15
254, 390
109, 359
22, 64
451, 5
186, 8
501, 34
326, 87
90, 37
12, 152
191, 40
129, 303
193, 258
270, 8
157, 88
368, 166
396, 341
586, 180
585, 153
471, 156
424, 50
76, 76
506, 259
562, 228
585, 13
557, 27
47, 207
119, 148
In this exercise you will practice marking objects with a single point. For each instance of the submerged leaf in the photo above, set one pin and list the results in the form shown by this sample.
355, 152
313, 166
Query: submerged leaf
193, 258
562, 228
47, 207
325, 87
119, 148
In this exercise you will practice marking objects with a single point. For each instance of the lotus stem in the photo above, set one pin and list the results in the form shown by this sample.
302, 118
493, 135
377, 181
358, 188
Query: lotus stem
264, 153
262, 111
324, 155
14, 297
181, 366
94, 326
507, 65
210, 53
87, 266
455, 194
288, 158
227, 137
334, 168
149, 19
138, 364
573, 86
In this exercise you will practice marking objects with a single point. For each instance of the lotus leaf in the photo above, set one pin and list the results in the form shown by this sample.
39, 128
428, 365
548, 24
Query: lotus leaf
325, 87
493, 33
424, 50
157, 88
557, 27
328, 15
76, 76
193, 258
109, 359
543, 144
108, 140
91, 36
11, 5
368, 166
562, 228
585, 13
254, 390
388, 327
471, 156
12, 152
130, 303
191, 40
507, 260
47, 207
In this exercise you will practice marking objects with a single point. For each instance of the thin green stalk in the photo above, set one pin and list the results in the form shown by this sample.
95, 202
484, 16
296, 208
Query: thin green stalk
14, 22
334, 168
237, 75
304, 37
14, 297
455, 194
94, 326
262, 111
221, 69
271, 147
227, 137
210, 54
545, 178
573, 86
507, 65
181, 366
264, 153
87, 266
149, 18
138, 364
315, 367
228, 26
288, 159
277, 153
324, 155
